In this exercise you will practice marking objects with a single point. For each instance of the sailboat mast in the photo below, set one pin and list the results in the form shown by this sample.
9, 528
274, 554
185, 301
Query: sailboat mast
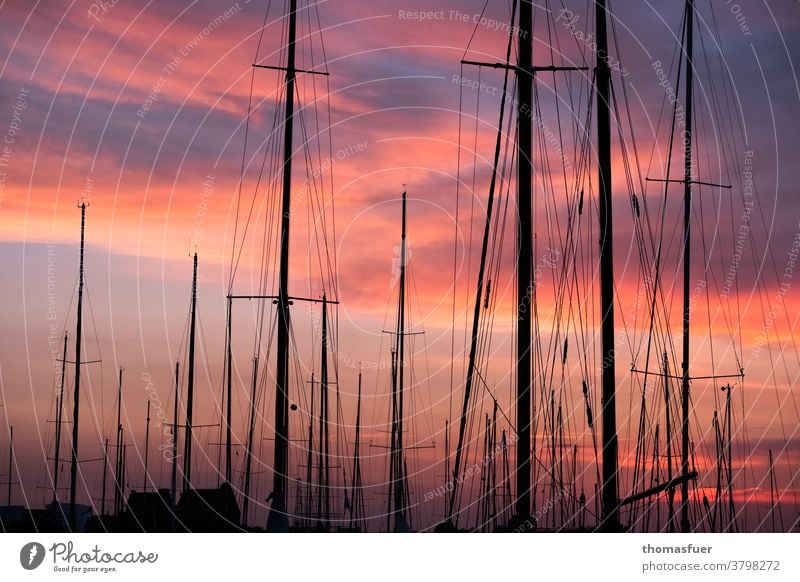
493, 459
399, 465
774, 496
323, 385
105, 474
73, 483
118, 465
506, 475
59, 420
446, 460
610, 500
720, 461
668, 421
187, 454
771, 470
146, 446
553, 455
278, 519
229, 354
687, 270
392, 441
310, 453
320, 459
249, 449
174, 480
524, 252
124, 470
355, 496
729, 450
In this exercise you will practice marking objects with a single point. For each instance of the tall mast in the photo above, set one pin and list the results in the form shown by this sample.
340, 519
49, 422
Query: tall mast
493, 459
446, 461
525, 71
73, 483
310, 453
146, 446
687, 270
278, 519
483, 494
249, 450
772, 496
524, 252
729, 449
229, 366
720, 461
668, 419
59, 420
398, 476
118, 479
610, 500
174, 480
323, 385
124, 471
320, 457
187, 454
655, 473
392, 441
355, 496
105, 473
506, 475
553, 455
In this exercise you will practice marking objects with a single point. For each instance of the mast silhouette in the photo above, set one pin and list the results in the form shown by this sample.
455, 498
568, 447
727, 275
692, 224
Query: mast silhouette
356, 496
687, 270
685, 475
59, 420
728, 448
73, 482
397, 465
249, 450
118, 478
774, 497
668, 419
524, 253
524, 71
310, 454
609, 491
320, 458
105, 475
187, 454
772, 492
446, 502
325, 491
174, 479
278, 520
146, 446
123, 473
229, 403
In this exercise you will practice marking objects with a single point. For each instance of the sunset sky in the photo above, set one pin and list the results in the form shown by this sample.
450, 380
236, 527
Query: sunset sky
140, 109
